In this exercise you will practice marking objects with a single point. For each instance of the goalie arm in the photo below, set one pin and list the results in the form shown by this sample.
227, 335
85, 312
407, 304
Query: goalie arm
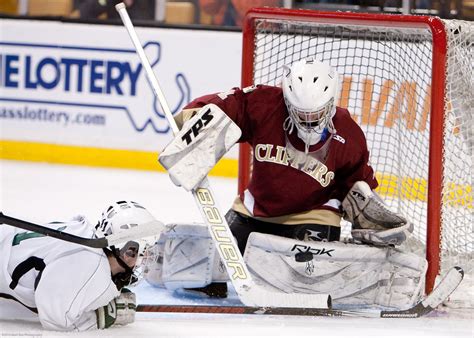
199, 145
232, 110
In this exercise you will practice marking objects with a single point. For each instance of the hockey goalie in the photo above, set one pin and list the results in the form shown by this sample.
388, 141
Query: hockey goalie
310, 173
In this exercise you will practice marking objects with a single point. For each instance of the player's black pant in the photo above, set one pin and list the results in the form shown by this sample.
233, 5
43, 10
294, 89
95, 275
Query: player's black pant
242, 225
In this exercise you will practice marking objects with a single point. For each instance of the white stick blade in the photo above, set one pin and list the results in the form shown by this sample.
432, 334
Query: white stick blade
448, 284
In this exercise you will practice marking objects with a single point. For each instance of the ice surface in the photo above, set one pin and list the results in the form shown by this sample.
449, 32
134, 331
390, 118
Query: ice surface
43, 192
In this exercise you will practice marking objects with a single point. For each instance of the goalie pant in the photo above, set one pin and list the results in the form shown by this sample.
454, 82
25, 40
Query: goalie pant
184, 257
62, 282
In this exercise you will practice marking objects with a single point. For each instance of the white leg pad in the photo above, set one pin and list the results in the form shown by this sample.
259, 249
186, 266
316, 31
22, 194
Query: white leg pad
352, 274
185, 257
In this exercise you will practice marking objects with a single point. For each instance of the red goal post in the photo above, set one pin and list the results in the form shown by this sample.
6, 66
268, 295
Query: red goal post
408, 81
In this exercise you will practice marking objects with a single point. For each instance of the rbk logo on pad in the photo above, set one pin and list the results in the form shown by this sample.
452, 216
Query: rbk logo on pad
193, 132
307, 249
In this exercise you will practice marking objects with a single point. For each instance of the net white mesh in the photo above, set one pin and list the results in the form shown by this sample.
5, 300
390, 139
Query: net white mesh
387, 78
457, 208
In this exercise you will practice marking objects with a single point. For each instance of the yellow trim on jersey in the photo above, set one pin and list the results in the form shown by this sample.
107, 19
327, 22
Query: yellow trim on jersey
317, 216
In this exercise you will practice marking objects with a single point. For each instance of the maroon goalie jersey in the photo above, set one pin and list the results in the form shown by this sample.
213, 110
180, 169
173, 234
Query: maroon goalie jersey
285, 180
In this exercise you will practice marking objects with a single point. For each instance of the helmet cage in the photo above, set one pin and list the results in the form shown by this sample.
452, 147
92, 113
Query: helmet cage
309, 90
311, 120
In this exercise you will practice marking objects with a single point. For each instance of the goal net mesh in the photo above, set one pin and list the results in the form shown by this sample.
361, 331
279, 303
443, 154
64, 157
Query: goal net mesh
386, 79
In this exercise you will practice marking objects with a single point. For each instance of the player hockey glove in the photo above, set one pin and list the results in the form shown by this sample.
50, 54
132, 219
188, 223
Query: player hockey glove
198, 146
372, 222
120, 311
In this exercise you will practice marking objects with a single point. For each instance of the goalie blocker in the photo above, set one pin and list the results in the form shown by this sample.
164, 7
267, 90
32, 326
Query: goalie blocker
352, 274
198, 146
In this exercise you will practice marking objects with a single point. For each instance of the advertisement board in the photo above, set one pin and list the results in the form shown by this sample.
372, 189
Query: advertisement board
77, 93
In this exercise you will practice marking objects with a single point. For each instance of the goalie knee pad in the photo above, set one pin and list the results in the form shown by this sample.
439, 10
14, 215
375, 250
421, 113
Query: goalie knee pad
352, 274
372, 222
184, 257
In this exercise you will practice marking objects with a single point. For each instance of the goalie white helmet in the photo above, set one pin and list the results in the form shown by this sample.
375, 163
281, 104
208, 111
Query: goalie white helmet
310, 88
121, 216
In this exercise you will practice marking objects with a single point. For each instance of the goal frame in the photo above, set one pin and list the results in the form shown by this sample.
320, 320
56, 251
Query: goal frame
436, 126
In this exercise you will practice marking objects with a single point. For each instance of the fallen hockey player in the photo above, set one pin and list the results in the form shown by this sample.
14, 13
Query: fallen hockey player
72, 287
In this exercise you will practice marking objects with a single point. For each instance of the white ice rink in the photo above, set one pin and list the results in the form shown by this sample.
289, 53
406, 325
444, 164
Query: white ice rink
42, 193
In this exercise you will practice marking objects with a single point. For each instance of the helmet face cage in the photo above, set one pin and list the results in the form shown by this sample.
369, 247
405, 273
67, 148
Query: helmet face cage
152, 259
314, 120
309, 89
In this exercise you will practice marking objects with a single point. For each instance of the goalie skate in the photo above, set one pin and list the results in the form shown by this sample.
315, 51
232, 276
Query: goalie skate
372, 222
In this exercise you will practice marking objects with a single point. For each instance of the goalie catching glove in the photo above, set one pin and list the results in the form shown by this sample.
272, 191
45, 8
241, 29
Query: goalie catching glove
372, 222
198, 146
120, 311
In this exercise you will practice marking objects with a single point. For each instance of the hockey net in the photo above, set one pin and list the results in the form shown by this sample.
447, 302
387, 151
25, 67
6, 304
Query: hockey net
408, 82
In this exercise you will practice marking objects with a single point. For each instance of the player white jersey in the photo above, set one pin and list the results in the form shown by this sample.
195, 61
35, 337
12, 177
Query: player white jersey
63, 282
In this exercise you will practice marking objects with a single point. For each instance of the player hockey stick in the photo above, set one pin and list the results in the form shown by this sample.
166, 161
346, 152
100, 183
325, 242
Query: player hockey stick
440, 294
249, 293
144, 230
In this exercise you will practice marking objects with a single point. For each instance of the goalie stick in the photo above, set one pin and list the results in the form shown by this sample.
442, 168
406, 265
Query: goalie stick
249, 293
144, 230
440, 294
